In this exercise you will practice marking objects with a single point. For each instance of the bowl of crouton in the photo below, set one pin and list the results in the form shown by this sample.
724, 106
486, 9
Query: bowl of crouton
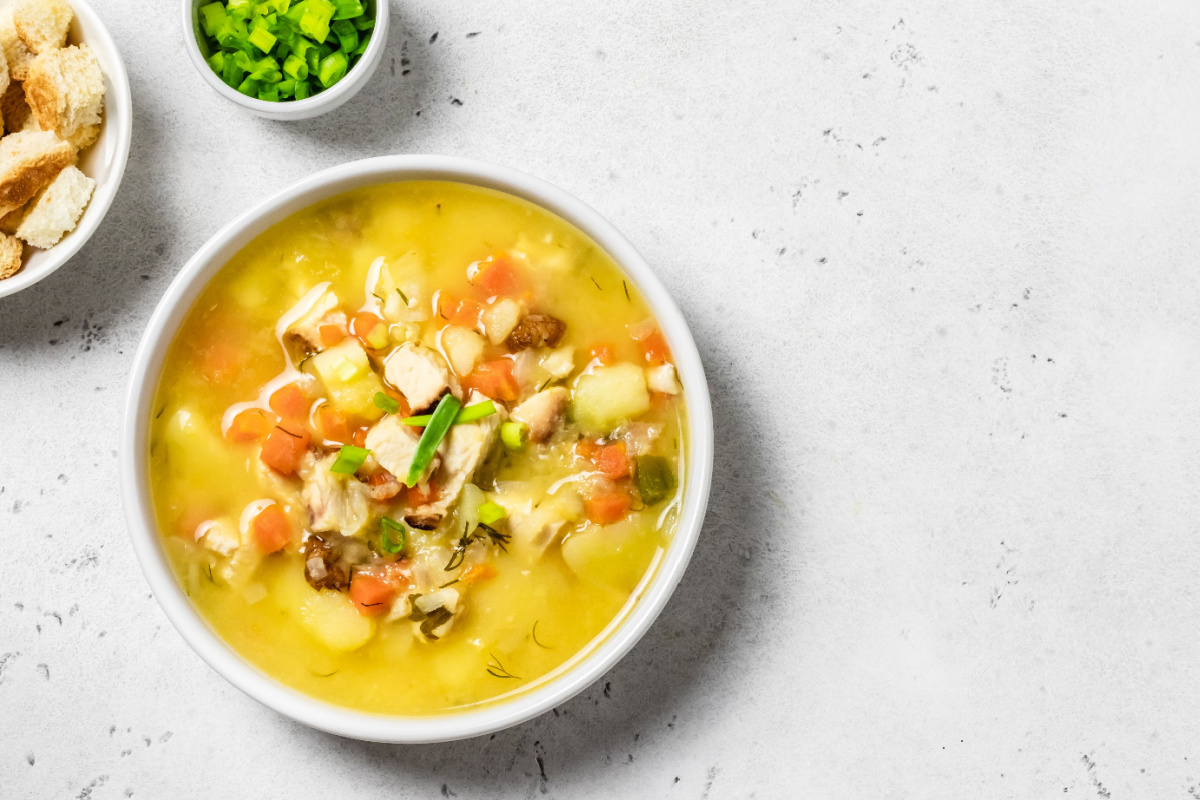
67, 119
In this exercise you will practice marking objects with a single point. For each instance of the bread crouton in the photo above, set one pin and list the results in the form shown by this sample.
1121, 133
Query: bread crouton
16, 54
56, 210
42, 24
13, 107
85, 136
28, 161
10, 255
65, 89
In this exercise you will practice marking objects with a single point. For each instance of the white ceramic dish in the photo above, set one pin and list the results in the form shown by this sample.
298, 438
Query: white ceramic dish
103, 162
314, 106
646, 602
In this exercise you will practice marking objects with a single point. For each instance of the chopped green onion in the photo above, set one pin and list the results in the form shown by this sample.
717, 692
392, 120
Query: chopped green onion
440, 422
490, 513
349, 459
468, 414
313, 41
346, 33
333, 68
347, 9
294, 65
314, 22
385, 403
387, 526
212, 15
514, 435
262, 38
655, 478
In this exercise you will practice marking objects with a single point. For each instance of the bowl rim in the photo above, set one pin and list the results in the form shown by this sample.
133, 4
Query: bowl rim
120, 124
161, 330
328, 100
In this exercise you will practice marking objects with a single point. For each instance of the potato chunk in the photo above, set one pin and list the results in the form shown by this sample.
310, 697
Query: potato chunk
332, 618
346, 372
610, 396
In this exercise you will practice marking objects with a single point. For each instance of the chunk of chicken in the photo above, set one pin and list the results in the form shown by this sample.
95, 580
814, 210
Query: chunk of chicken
307, 329
393, 444
421, 375
335, 502
543, 413
220, 536
463, 451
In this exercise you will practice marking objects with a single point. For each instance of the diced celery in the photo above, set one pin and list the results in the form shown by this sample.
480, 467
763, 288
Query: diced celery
287, 88
365, 22
332, 68
280, 6
296, 12
232, 73
294, 65
231, 33
303, 90
378, 337
362, 45
312, 57
346, 33
249, 87
217, 61
211, 17
262, 38
270, 95
490, 513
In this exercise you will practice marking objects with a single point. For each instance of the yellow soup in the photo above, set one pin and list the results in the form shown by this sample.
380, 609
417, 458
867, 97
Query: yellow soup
414, 448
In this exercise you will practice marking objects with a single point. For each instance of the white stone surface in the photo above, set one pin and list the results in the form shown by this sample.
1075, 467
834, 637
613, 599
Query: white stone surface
940, 260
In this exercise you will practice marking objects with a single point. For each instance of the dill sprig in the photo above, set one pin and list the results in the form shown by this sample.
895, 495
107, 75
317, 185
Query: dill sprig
497, 670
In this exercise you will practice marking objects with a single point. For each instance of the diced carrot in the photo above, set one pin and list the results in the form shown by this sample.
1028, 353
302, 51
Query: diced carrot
363, 325
358, 437
285, 447
289, 402
370, 594
611, 460
604, 509
495, 275
384, 485
416, 496
251, 425
495, 380
459, 311
331, 334
398, 575
654, 347
333, 424
272, 530
478, 572
602, 352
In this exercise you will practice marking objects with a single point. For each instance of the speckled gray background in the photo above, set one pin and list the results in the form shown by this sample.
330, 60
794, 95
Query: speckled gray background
940, 260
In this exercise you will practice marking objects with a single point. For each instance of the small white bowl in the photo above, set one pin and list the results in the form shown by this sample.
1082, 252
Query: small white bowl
576, 674
313, 106
103, 162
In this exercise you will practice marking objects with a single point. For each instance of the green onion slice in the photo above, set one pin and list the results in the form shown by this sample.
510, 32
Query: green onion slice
385, 403
439, 424
468, 414
513, 435
349, 459
388, 526
490, 513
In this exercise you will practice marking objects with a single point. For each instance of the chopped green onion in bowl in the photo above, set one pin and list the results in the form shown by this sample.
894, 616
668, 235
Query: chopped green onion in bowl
349, 459
280, 50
